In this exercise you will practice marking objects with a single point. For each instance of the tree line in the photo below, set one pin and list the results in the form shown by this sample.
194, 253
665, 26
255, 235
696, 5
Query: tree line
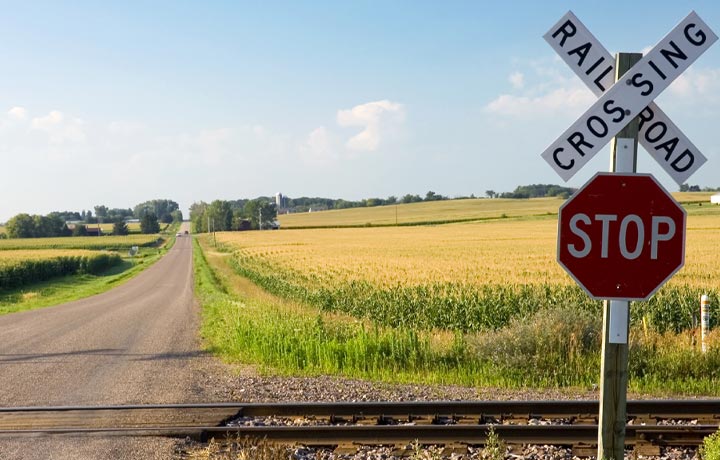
224, 215
74, 223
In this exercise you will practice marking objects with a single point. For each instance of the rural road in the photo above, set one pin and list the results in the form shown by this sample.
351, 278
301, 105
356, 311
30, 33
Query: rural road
135, 344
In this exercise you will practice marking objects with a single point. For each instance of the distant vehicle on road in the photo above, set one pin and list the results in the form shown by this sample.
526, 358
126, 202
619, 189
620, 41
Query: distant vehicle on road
179, 234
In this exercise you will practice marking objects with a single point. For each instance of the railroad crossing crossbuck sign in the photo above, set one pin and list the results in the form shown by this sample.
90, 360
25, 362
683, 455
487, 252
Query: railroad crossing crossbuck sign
631, 96
621, 236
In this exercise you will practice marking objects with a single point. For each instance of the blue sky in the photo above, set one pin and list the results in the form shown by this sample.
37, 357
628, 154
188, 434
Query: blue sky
118, 103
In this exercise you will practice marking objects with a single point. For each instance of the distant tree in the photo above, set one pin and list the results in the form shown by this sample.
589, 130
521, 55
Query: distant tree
21, 226
89, 217
411, 198
432, 196
101, 212
392, 199
161, 208
490, 193
259, 212
118, 213
67, 215
221, 215
120, 228
198, 213
79, 230
149, 223
177, 215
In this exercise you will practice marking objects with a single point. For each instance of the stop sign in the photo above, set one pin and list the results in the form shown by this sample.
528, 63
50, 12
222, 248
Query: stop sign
621, 236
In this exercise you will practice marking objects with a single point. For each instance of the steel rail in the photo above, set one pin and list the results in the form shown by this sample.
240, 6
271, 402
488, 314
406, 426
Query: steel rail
567, 435
372, 422
664, 408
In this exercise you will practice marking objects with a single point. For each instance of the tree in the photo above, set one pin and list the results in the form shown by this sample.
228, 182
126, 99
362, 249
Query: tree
120, 228
79, 230
260, 211
101, 212
411, 198
490, 193
221, 215
161, 208
198, 212
20, 226
149, 223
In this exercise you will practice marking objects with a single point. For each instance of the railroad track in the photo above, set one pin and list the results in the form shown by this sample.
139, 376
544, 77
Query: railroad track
652, 424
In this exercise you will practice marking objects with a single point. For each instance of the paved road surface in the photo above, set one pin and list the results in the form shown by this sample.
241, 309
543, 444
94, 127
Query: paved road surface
134, 344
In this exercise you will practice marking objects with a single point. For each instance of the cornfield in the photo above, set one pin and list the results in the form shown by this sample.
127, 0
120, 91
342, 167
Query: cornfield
114, 243
467, 277
20, 267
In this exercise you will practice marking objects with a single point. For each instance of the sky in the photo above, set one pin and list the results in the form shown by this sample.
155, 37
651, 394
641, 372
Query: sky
117, 103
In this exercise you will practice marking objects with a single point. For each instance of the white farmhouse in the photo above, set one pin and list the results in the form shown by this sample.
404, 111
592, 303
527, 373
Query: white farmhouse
715, 199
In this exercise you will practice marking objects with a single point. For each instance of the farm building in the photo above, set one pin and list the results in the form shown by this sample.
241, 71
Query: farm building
715, 199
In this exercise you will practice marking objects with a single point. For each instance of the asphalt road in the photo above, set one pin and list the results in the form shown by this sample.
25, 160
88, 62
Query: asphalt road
135, 344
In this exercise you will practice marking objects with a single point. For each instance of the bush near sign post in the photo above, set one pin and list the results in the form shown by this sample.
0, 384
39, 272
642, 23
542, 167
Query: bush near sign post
621, 236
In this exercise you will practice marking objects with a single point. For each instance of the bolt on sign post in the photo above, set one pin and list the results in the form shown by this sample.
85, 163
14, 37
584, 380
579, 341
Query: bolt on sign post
621, 236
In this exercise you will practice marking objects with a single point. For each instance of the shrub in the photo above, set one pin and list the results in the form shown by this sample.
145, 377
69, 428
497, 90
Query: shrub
710, 449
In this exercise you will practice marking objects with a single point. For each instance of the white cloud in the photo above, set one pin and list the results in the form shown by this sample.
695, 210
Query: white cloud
696, 83
17, 113
517, 80
60, 128
541, 88
377, 118
556, 101
319, 147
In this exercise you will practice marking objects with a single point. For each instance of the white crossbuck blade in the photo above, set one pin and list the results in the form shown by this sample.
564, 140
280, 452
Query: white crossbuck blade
631, 96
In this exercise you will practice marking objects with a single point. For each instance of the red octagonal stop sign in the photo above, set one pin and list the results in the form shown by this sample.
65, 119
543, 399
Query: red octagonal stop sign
621, 236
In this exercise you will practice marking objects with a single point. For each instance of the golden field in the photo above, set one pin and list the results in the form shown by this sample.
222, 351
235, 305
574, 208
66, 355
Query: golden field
493, 252
11, 256
444, 211
79, 242
432, 211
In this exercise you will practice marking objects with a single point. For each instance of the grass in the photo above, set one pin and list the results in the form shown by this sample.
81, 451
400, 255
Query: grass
69, 288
